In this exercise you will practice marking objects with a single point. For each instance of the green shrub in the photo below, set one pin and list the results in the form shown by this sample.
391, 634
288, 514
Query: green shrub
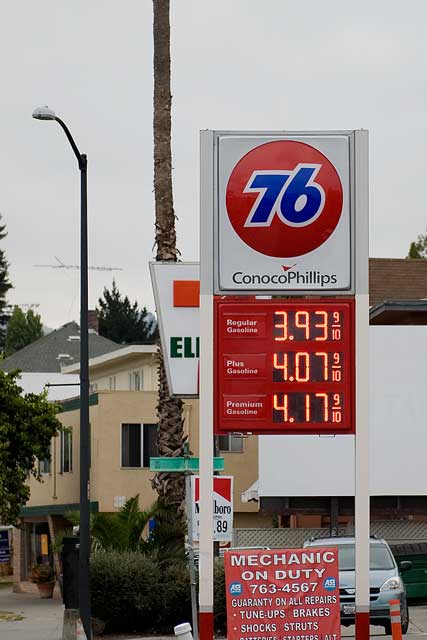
125, 590
131, 592
220, 611
175, 594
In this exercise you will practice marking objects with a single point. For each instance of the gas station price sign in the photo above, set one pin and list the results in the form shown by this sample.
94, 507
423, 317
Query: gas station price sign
284, 366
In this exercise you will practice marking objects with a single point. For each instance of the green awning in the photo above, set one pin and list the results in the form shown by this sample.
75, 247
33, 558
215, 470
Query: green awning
54, 509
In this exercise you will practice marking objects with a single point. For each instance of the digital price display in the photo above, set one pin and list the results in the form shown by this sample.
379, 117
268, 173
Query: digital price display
284, 366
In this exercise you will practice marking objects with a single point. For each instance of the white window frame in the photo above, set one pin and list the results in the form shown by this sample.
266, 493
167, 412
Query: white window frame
112, 383
231, 437
132, 377
66, 434
43, 462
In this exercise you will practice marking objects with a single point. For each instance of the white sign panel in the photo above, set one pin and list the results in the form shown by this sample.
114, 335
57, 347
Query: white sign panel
313, 466
222, 507
176, 289
282, 212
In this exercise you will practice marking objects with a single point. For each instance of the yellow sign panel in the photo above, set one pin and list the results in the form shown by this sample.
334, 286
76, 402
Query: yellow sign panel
44, 543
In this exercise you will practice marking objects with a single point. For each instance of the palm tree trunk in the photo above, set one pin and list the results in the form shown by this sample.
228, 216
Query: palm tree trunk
165, 215
170, 487
170, 436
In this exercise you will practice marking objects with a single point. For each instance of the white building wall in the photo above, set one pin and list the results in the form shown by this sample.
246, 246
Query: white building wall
36, 383
324, 466
145, 366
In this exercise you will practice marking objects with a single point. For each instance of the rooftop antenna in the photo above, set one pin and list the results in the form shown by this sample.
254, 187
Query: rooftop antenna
62, 265
25, 306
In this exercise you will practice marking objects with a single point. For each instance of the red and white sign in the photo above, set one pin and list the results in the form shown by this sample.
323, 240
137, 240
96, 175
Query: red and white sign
283, 594
176, 287
284, 198
222, 507
284, 366
283, 213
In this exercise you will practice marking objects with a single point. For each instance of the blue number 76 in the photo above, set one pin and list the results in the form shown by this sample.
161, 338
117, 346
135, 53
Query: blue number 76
292, 195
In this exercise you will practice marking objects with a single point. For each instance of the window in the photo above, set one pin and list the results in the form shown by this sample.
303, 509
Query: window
44, 466
139, 444
66, 444
135, 381
149, 445
112, 383
230, 443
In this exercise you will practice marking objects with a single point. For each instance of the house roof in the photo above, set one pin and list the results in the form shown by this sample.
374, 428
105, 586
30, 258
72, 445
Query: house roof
56, 349
412, 312
125, 353
397, 279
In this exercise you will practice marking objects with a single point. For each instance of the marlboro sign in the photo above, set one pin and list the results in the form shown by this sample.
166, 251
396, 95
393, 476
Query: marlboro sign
222, 507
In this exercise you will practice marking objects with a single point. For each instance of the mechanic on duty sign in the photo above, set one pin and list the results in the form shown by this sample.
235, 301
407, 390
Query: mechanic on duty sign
283, 212
283, 594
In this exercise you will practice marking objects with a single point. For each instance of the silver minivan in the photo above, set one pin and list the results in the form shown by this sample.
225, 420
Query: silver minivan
384, 577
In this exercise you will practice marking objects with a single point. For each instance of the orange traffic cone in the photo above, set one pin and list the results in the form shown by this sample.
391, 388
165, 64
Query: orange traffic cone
396, 624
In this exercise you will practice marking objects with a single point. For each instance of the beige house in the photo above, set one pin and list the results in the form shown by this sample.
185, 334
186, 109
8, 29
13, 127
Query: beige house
123, 438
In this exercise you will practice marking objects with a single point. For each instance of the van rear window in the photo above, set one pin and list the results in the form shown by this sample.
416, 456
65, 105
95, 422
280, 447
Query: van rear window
380, 557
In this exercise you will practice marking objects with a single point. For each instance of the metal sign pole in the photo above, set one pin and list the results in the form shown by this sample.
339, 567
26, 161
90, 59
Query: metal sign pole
361, 502
193, 589
206, 470
206, 388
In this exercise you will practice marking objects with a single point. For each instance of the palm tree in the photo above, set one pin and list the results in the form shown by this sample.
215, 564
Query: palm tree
170, 439
127, 530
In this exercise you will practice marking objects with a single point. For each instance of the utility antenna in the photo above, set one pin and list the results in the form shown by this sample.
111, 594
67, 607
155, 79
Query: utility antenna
23, 305
61, 265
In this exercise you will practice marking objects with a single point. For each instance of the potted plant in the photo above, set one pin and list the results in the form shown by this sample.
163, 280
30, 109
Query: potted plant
43, 576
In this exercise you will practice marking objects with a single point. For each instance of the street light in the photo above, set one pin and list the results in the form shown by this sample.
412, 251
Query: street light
44, 113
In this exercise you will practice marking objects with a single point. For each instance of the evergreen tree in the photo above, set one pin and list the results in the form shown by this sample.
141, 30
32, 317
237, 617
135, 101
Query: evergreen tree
22, 329
5, 285
418, 249
123, 322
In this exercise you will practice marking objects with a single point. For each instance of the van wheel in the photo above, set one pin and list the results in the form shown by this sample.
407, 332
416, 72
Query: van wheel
405, 620
387, 628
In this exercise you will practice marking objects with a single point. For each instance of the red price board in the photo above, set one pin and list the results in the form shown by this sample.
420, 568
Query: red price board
284, 367
283, 594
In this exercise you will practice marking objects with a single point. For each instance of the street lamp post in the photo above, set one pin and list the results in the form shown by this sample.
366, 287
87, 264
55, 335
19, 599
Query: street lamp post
44, 113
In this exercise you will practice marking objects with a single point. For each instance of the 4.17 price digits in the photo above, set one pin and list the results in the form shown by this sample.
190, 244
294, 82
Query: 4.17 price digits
307, 407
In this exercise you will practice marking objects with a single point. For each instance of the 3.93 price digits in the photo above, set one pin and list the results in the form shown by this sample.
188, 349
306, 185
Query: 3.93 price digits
316, 326
288, 587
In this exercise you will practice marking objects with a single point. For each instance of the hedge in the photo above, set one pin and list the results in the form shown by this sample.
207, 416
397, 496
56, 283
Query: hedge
130, 592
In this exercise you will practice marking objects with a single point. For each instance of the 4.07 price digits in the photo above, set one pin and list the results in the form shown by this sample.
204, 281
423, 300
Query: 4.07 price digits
303, 366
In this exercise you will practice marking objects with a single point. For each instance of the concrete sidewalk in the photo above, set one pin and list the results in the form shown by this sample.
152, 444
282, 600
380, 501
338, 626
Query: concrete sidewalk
40, 619
37, 619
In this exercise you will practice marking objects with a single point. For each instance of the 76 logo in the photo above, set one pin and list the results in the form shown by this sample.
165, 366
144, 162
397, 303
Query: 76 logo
293, 196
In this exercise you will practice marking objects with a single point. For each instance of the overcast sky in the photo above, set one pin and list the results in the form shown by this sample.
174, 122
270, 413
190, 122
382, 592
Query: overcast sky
236, 64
